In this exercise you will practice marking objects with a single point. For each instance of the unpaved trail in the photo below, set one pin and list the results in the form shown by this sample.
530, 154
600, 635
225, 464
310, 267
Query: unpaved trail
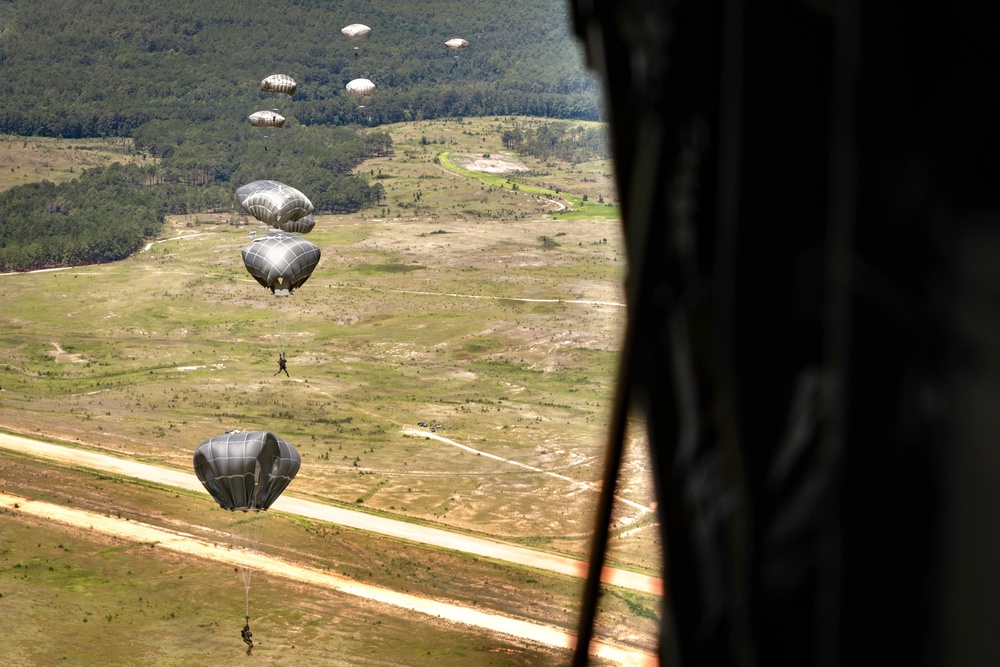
479, 546
478, 452
562, 206
456, 295
189, 544
176, 238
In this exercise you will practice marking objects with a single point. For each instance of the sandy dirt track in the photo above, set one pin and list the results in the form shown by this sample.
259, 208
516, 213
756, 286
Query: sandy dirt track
193, 546
420, 534
424, 433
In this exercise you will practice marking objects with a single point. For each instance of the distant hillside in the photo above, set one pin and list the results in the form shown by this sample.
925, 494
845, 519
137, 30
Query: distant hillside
75, 69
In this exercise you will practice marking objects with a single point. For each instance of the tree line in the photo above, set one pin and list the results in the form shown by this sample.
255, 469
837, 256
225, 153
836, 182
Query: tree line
109, 212
104, 215
181, 77
566, 141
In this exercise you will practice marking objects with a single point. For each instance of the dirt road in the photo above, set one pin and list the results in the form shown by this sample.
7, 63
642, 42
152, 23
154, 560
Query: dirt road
191, 545
420, 534
424, 433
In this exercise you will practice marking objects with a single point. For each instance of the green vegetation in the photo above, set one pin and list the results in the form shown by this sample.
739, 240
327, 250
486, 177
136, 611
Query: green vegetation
570, 142
85, 599
76, 70
34, 159
579, 206
108, 213
317, 160
488, 304
412, 315
103, 216
399, 324
180, 78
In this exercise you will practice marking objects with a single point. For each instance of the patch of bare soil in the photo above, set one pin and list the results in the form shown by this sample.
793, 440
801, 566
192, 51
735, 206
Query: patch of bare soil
62, 356
499, 163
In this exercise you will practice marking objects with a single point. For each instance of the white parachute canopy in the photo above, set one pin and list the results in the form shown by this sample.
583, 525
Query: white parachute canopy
278, 83
273, 202
457, 44
266, 119
360, 87
356, 31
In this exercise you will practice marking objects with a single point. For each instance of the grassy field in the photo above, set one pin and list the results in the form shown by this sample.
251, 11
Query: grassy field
84, 590
456, 303
430, 176
32, 159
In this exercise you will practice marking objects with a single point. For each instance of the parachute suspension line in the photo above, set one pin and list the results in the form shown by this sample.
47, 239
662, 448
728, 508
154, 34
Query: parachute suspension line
246, 533
281, 332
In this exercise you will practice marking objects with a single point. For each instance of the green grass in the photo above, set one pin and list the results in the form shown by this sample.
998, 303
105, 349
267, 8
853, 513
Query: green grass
580, 209
93, 578
80, 600
409, 317
168, 359
32, 159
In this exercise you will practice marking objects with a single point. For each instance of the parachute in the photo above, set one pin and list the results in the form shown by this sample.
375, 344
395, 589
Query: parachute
303, 225
280, 261
246, 471
274, 203
356, 31
278, 83
360, 87
457, 45
266, 119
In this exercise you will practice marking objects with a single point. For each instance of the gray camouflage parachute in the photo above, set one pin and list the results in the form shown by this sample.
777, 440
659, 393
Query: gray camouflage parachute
280, 261
273, 202
278, 83
303, 225
246, 471
266, 119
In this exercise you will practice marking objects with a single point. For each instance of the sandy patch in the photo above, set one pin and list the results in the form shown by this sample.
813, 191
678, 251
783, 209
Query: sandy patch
499, 163
62, 356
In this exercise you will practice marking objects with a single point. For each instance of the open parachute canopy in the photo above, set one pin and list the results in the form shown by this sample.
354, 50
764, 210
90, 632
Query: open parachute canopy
356, 31
280, 261
266, 119
274, 203
303, 225
457, 44
278, 83
360, 87
246, 471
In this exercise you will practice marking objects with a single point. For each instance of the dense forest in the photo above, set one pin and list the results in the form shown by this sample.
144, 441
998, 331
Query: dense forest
181, 77
100, 217
75, 69
317, 160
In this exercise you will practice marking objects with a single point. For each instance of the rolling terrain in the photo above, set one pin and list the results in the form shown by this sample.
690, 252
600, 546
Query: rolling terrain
484, 310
